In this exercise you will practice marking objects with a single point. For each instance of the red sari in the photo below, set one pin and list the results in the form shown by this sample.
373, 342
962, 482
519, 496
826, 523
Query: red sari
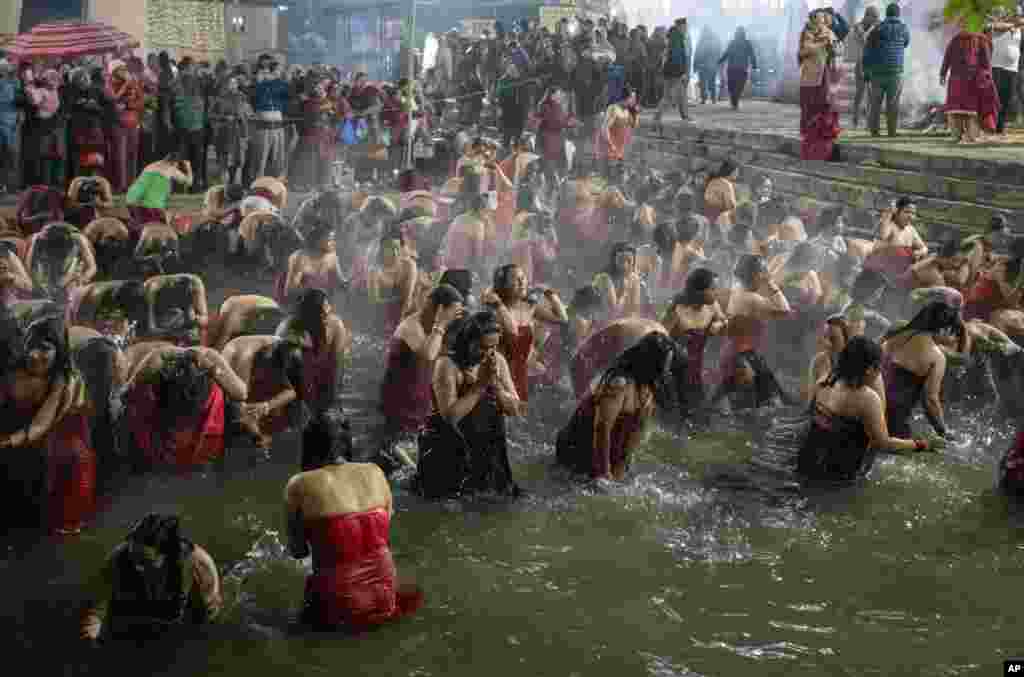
516, 349
407, 388
819, 119
195, 445
354, 583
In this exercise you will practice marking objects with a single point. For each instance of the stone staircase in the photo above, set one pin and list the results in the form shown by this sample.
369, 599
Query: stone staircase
953, 194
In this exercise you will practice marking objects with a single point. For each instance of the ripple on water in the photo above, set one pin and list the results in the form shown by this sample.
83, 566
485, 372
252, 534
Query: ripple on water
659, 666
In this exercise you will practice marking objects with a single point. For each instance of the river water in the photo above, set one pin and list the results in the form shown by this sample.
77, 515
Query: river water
710, 560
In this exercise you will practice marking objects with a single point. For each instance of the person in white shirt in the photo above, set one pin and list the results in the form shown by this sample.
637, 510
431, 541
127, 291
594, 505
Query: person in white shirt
1006, 40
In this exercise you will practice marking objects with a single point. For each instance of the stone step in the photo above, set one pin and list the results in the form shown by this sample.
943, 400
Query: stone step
810, 192
874, 188
987, 195
1005, 173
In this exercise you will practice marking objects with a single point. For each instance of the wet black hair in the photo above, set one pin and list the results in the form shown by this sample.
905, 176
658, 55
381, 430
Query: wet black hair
317, 231
466, 351
163, 532
50, 329
935, 317
129, 296
56, 242
176, 293
459, 278
182, 389
697, 284
309, 313
949, 248
326, 439
867, 284
853, 363
998, 224
234, 192
904, 202
445, 295
96, 361
618, 248
747, 268
725, 169
8, 247
645, 362
503, 277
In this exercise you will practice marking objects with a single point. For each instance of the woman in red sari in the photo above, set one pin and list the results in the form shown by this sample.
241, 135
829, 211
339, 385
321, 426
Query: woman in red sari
554, 120
340, 513
49, 465
972, 102
819, 119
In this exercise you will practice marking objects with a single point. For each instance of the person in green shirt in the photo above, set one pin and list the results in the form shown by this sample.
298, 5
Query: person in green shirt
147, 197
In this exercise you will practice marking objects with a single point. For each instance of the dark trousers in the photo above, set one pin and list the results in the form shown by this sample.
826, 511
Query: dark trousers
192, 144
1005, 81
737, 78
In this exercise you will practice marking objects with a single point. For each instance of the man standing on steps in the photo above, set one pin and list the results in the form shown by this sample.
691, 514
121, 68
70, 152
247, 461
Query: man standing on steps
678, 58
883, 69
1006, 37
855, 53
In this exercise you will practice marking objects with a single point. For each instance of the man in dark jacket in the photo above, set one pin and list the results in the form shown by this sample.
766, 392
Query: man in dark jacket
678, 62
740, 61
883, 69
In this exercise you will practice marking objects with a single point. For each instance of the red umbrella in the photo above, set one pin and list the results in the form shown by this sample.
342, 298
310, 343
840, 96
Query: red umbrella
68, 40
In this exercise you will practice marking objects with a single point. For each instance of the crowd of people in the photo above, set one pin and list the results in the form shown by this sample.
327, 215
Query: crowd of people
685, 304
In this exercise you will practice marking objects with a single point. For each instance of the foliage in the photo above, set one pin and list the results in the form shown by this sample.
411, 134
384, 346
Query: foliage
973, 14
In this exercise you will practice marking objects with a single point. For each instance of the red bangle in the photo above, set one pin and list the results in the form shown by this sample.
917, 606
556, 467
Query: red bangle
920, 445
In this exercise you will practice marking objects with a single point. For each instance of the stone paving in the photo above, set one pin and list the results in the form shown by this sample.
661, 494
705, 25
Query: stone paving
769, 117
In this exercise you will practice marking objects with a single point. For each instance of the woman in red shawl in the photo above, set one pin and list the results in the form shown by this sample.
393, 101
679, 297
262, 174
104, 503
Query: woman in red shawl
972, 102
554, 120
316, 147
819, 119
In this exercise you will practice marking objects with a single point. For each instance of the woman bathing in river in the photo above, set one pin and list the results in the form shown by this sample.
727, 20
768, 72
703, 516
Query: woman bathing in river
340, 513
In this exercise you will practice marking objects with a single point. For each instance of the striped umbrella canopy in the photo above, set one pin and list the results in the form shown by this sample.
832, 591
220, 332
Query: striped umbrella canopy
68, 40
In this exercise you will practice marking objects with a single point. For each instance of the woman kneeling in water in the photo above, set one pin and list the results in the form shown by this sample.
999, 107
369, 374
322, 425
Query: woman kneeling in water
342, 513
848, 419
152, 582
182, 403
607, 427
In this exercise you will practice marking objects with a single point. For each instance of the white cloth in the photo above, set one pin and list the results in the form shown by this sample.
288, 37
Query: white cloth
1006, 50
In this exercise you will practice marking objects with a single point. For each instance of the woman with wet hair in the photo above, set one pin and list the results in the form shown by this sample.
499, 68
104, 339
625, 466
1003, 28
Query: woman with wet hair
517, 311
624, 291
104, 368
340, 513
87, 197
743, 370
584, 313
914, 365
463, 448
158, 250
720, 194
315, 266
392, 283
985, 250
405, 391
177, 309
995, 295
848, 422
272, 370
608, 424
471, 242
153, 581
244, 315
604, 346
44, 431
694, 316
59, 259
946, 268
111, 308
111, 240
326, 346
831, 340
182, 405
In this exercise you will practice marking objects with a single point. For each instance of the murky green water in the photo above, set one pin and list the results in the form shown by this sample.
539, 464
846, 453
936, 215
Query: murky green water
703, 564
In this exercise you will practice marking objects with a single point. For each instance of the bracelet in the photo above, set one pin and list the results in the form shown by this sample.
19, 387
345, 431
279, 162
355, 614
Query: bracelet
920, 445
